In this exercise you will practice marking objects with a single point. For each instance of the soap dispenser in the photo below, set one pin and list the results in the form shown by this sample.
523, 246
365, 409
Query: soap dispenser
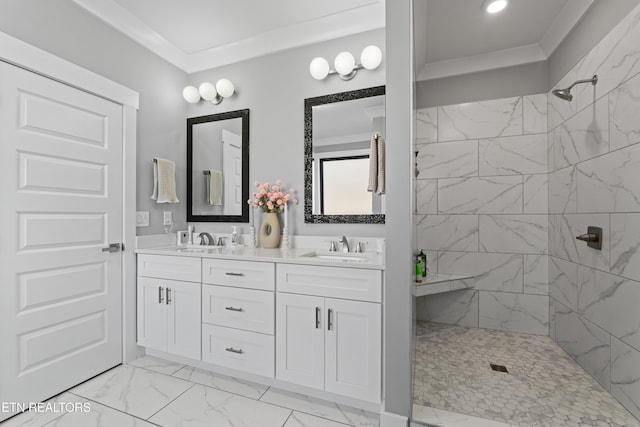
234, 236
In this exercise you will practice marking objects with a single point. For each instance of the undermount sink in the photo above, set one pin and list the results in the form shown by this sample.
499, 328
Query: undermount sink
336, 256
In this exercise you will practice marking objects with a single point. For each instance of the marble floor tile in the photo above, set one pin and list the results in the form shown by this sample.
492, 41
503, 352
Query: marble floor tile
38, 419
543, 388
321, 408
136, 391
205, 406
221, 382
98, 416
158, 365
299, 419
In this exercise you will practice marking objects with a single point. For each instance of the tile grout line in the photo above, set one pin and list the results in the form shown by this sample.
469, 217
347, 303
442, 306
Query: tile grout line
111, 407
173, 400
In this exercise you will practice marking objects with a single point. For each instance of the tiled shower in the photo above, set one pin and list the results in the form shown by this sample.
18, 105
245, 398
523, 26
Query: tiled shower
504, 188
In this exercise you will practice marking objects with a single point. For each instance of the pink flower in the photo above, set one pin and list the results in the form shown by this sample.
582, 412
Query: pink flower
249, 202
292, 191
279, 182
287, 197
295, 201
261, 203
257, 184
270, 205
280, 202
275, 188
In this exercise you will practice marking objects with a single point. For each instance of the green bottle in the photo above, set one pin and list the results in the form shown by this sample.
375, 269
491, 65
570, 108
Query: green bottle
423, 261
418, 269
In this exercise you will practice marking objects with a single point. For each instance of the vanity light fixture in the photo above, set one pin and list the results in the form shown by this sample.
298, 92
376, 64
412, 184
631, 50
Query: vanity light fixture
207, 91
345, 64
494, 6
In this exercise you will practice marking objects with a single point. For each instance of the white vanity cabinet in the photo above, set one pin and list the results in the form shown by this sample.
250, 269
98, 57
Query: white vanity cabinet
238, 316
169, 317
325, 339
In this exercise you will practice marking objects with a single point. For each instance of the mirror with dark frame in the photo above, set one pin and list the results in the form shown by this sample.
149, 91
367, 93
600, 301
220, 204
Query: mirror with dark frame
218, 167
337, 138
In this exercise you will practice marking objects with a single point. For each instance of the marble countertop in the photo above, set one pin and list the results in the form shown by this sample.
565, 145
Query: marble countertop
365, 260
436, 283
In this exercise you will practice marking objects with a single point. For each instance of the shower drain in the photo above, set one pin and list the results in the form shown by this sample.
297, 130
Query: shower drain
499, 368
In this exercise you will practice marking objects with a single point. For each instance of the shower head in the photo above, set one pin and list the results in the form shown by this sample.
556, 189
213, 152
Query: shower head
566, 93
563, 94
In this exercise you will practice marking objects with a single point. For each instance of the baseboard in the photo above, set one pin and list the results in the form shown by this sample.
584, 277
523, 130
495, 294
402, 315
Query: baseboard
387, 419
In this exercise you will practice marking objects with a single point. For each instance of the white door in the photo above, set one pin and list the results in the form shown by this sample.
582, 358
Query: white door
184, 318
300, 339
152, 313
232, 167
61, 188
353, 349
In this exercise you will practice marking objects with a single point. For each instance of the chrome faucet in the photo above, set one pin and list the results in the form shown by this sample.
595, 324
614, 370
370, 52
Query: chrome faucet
206, 239
345, 244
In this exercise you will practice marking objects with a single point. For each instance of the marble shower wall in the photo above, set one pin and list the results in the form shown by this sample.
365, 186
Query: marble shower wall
482, 209
594, 179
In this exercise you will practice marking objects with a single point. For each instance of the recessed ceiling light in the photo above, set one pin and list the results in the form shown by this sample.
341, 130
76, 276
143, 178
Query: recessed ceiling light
494, 6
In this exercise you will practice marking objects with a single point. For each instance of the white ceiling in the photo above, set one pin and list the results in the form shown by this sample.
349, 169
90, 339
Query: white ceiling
457, 37
452, 37
196, 35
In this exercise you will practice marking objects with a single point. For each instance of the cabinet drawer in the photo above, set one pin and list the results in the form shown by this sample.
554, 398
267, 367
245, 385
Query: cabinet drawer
170, 267
241, 350
336, 282
241, 274
247, 309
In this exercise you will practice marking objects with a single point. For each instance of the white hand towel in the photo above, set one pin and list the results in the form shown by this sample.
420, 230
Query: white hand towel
215, 187
373, 164
381, 165
164, 181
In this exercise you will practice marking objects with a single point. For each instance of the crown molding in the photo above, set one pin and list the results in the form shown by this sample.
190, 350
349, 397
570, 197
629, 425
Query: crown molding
353, 21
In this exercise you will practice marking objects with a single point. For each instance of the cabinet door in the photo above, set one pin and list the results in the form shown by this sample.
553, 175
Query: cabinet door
184, 316
300, 339
353, 349
152, 313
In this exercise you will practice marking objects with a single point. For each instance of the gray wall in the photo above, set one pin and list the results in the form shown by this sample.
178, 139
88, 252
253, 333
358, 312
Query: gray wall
506, 82
274, 87
398, 291
597, 22
68, 31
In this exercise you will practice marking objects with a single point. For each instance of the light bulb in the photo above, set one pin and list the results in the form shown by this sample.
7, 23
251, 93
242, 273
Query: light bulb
494, 6
319, 68
371, 57
191, 94
344, 63
225, 88
208, 91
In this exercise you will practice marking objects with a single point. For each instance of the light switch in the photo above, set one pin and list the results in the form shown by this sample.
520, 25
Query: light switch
142, 219
167, 218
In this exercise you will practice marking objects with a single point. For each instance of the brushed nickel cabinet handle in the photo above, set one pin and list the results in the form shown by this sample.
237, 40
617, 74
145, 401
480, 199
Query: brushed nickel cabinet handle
329, 321
160, 296
168, 296
238, 309
233, 350
235, 274
317, 317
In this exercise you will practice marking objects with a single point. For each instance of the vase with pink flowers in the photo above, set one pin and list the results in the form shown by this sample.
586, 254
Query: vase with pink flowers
272, 199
